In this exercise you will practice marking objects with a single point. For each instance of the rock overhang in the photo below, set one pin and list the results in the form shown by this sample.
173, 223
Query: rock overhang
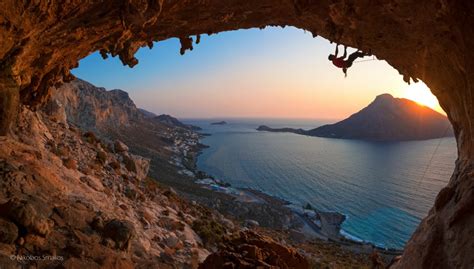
429, 40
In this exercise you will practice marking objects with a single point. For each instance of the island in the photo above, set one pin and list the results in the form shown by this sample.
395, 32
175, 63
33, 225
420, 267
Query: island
385, 119
219, 123
280, 130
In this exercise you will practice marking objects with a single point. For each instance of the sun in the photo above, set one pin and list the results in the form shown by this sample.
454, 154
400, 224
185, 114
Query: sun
421, 94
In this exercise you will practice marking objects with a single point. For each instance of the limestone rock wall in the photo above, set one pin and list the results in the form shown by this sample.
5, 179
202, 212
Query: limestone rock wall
93, 108
431, 40
66, 194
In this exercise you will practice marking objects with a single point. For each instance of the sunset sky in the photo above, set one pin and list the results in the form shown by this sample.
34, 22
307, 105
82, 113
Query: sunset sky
276, 73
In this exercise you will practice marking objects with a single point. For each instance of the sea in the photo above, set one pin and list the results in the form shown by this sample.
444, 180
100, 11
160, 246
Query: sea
384, 188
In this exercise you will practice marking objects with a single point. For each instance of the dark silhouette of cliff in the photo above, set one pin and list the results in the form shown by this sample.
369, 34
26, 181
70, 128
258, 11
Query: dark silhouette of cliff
385, 119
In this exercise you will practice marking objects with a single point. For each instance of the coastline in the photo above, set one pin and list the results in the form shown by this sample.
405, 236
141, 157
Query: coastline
313, 224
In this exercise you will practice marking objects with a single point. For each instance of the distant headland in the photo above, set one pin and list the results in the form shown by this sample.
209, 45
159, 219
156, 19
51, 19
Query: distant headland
385, 119
219, 123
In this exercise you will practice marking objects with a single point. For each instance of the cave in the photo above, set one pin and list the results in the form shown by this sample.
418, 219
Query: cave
432, 41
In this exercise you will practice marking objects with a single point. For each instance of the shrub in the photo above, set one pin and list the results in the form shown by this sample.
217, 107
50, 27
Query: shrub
170, 193
86, 170
130, 193
51, 145
62, 150
210, 231
95, 166
70, 163
129, 164
152, 187
308, 206
91, 138
115, 165
101, 157
105, 147
180, 226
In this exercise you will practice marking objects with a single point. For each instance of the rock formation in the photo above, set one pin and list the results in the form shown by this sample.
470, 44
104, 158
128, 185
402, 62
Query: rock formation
114, 117
431, 40
99, 213
385, 119
389, 119
94, 108
331, 223
219, 123
147, 114
70, 196
127, 218
251, 250
172, 121
265, 128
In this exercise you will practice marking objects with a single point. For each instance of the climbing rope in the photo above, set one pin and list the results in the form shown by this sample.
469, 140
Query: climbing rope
431, 159
428, 165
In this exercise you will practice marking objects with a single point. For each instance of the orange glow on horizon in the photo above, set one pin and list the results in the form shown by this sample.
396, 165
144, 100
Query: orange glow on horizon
421, 94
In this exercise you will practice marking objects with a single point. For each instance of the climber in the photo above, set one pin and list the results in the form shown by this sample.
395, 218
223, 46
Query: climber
344, 64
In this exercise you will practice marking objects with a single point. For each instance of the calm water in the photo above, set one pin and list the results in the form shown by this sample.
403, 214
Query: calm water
377, 185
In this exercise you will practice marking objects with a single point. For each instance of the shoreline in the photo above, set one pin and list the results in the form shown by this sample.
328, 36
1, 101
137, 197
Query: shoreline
331, 221
345, 237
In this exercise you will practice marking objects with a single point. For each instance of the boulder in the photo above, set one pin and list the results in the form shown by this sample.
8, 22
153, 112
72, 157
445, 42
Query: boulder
70, 163
171, 240
119, 146
8, 232
55, 110
142, 166
331, 223
252, 250
137, 164
297, 236
227, 223
121, 232
147, 215
92, 182
250, 223
97, 223
33, 215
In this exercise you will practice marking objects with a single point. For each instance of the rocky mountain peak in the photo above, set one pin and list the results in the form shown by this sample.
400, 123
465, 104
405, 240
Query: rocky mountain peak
385, 119
95, 108
384, 97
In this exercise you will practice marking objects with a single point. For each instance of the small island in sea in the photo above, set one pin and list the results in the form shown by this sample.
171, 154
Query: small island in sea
219, 123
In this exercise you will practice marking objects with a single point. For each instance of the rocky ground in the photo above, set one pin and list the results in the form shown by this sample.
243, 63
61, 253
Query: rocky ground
69, 199
76, 192
67, 194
